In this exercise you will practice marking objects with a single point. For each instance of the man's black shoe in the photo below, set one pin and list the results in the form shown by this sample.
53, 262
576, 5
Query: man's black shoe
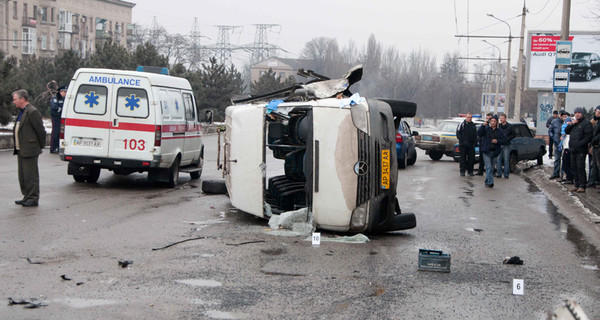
30, 203
19, 201
479, 174
554, 177
491, 185
462, 174
471, 174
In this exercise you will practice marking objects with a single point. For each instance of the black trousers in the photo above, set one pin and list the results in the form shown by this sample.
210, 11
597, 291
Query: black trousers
29, 177
467, 158
550, 148
578, 167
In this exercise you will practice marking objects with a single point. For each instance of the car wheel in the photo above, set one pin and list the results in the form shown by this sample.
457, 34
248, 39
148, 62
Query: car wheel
588, 74
540, 158
402, 162
413, 158
513, 162
214, 186
435, 155
174, 173
79, 178
196, 174
94, 175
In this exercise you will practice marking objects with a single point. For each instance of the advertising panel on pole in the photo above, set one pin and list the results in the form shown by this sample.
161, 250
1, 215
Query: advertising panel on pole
488, 102
584, 69
563, 52
561, 80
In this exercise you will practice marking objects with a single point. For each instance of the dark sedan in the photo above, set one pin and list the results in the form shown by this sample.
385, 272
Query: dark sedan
585, 65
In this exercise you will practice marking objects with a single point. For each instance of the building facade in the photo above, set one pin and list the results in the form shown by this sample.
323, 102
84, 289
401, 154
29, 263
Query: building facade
46, 28
283, 68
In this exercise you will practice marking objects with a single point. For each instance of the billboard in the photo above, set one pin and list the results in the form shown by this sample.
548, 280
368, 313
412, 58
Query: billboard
488, 102
584, 69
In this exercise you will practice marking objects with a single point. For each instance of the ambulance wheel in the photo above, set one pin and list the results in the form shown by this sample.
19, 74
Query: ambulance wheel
94, 175
79, 178
174, 173
196, 174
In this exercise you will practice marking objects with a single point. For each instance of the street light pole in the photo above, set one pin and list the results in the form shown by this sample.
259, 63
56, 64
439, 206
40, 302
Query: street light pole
508, 68
497, 76
519, 88
559, 103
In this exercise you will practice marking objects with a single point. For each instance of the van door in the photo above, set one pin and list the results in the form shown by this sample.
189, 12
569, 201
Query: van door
87, 119
244, 157
132, 125
193, 140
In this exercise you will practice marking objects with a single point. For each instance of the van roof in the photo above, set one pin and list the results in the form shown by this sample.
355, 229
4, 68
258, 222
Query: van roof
155, 79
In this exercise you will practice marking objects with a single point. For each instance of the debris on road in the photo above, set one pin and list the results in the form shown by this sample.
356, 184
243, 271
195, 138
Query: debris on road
31, 303
178, 242
243, 243
434, 260
80, 283
512, 260
275, 250
287, 219
125, 263
357, 238
34, 262
569, 310
64, 277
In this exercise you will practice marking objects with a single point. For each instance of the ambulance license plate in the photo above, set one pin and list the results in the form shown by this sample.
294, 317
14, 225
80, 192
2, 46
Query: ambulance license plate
385, 169
86, 142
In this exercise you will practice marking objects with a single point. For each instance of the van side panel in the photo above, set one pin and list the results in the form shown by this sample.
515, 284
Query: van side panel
243, 157
173, 125
337, 155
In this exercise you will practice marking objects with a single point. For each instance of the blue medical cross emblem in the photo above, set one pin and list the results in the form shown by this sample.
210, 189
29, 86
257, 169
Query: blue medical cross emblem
92, 99
132, 102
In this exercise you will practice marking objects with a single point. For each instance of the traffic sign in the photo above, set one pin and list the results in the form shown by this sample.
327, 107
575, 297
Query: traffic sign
561, 80
563, 52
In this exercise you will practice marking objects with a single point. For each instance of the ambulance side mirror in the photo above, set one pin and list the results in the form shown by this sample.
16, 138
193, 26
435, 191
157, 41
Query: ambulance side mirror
208, 117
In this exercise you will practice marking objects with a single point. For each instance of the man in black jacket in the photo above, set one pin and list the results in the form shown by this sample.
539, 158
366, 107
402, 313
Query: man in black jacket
504, 156
481, 163
581, 133
467, 139
596, 141
548, 122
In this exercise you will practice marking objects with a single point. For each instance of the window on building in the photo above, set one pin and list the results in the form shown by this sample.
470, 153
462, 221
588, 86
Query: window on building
65, 21
15, 38
24, 10
29, 40
51, 44
52, 15
44, 14
64, 40
44, 42
15, 15
35, 12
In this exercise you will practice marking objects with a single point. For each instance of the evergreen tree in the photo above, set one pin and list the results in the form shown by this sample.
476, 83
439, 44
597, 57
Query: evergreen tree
147, 55
7, 67
111, 56
269, 82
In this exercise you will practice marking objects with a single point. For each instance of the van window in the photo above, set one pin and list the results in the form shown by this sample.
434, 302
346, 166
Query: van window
176, 104
164, 103
132, 103
189, 107
91, 100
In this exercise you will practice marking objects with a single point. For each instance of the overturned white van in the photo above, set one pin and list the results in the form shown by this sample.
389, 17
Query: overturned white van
130, 121
336, 154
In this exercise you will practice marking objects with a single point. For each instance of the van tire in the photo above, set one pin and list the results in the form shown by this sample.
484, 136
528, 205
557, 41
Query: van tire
214, 186
174, 173
78, 178
94, 175
196, 174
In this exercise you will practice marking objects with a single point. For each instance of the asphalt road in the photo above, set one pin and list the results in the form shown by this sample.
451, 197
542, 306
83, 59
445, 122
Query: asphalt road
238, 270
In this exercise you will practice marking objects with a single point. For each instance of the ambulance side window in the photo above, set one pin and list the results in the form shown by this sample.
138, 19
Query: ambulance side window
189, 107
132, 103
91, 100
176, 105
164, 103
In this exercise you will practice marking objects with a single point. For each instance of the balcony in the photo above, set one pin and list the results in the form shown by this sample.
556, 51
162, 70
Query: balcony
29, 22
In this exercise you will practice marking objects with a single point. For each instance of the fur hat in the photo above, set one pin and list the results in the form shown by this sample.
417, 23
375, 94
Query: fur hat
579, 110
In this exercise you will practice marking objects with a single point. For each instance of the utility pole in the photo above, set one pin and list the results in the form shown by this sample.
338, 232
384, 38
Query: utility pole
559, 98
519, 88
223, 48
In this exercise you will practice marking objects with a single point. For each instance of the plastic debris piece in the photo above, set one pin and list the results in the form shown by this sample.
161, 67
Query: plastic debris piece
64, 277
357, 238
353, 100
569, 310
513, 260
272, 106
125, 263
79, 283
287, 219
243, 243
34, 262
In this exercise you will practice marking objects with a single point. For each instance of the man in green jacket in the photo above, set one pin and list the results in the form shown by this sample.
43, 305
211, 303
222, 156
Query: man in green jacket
29, 136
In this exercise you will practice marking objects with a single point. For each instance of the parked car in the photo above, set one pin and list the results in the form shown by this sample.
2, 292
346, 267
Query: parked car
405, 145
585, 65
441, 142
523, 147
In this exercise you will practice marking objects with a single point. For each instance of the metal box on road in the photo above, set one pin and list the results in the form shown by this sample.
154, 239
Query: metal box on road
434, 260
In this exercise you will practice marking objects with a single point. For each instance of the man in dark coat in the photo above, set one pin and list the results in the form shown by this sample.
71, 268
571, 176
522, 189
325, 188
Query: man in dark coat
492, 137
503, 161
56, 105
555, 136
481, 164
29, 136
548, 122
467, 139
581, 133
596, 141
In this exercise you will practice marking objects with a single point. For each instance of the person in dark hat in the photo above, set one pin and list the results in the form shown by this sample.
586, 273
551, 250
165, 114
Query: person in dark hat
581, 133
548, 123
596, 146
56, 105
492, 138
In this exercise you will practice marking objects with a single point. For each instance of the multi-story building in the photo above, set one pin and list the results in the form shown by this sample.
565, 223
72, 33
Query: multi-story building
47, 27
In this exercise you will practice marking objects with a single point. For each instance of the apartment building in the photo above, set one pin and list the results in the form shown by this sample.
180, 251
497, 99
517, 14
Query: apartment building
47, 27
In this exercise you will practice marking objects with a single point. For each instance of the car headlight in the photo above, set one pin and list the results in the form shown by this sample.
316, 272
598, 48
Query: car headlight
359, 217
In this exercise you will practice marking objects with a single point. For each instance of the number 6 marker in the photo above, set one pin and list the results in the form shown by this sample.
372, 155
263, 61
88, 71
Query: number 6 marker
518, 287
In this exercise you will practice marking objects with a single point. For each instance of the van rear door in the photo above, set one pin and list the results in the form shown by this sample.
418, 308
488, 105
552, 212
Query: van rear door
244, 157
132, 122
87, 118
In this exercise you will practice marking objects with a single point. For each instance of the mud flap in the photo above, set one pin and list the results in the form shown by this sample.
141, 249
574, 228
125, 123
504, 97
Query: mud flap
402, 221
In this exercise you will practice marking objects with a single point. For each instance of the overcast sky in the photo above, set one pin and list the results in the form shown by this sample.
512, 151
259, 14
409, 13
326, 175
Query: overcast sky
408, 25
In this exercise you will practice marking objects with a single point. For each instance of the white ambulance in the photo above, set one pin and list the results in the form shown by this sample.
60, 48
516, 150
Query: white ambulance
131, 121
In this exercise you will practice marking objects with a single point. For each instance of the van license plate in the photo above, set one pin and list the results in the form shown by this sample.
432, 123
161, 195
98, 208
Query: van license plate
385, 169
84, 142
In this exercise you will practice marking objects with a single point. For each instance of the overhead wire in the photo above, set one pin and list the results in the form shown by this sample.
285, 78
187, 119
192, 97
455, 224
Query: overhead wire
549, 15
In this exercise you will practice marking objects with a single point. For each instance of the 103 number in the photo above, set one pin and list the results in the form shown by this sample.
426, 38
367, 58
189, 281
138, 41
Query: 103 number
133, 144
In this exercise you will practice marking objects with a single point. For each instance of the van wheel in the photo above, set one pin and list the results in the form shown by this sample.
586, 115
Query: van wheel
214, 186
94, 175
196, 174
174, 173
435, 155
79, 178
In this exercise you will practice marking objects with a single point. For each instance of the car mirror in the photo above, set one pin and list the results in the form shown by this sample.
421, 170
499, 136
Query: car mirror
415, 133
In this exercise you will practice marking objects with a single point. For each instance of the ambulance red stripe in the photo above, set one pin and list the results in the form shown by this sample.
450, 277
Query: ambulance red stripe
127, 126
